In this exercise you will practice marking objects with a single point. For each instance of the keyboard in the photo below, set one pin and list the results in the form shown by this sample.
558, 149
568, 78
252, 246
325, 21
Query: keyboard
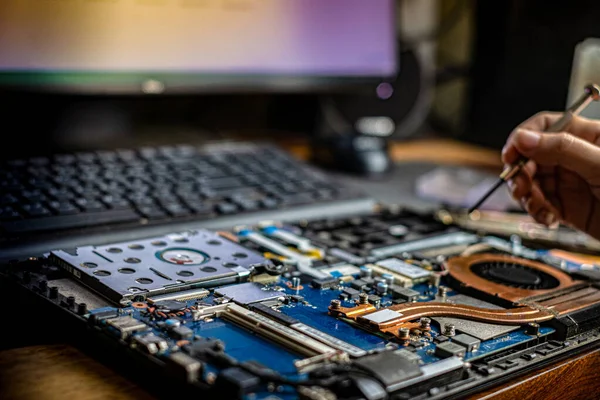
155, 186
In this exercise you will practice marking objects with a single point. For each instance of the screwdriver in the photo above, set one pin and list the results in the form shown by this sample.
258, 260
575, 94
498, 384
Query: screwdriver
591, 93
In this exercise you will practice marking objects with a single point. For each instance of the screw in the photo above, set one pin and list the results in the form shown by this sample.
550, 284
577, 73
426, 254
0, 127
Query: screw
295, 282
363, 298
425, 323
404, 334
449, 330
335, 304
442, 291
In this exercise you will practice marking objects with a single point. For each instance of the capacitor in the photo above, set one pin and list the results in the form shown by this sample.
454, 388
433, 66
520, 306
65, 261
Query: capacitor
389, 279
435, 280
81, 308
378, 279
515, 243
532, 329
366, 272
53, 294
172, 323
382, 288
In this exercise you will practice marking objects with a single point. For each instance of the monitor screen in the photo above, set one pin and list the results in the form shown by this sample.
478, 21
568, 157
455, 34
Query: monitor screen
178, 45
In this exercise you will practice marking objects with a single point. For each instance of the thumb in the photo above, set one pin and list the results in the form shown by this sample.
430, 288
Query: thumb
560, 149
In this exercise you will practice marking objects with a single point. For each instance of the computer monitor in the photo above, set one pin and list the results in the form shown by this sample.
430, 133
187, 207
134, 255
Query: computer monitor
178, 46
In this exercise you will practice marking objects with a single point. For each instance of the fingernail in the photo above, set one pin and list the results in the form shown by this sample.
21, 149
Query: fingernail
528, 139
524, 202
511, 184
549, 218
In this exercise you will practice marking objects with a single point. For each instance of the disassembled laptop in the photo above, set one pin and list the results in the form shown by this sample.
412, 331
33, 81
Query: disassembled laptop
394, 304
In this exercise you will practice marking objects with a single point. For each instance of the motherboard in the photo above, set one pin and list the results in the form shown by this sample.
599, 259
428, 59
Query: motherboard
395, 304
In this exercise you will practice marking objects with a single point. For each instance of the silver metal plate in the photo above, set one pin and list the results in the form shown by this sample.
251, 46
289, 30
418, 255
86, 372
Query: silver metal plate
480, 330
403, 268
135, 270
247, 293
382, 316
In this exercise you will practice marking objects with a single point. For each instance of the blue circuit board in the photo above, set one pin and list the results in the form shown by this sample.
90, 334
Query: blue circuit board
310, 306
245, 345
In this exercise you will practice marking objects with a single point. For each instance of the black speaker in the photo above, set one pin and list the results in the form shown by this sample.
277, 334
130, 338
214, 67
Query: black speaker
387, 108
356, 125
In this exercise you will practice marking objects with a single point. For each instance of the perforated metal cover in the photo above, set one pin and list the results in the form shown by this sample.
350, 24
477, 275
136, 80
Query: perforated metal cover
134, 270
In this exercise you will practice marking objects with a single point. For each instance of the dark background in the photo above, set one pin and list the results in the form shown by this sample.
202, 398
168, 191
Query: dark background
522, 61
521, 64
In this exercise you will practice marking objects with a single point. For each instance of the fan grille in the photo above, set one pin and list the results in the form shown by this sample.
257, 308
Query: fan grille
514, 274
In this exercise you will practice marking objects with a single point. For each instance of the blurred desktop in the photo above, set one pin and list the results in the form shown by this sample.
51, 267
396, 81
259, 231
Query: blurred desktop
94, 46
100, 73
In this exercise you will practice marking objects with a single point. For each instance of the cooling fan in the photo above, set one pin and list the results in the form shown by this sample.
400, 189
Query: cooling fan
515, 274
508, 278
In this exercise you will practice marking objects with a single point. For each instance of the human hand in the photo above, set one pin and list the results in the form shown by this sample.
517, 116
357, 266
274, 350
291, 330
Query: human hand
561, 180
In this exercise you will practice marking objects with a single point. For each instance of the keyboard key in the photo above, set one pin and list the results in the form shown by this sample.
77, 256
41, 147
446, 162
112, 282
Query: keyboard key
90, 206
152, 212
35, 210
85, 158
33, 196
60, 193
222, 183
9, 214
201, 208
296, 199
226, 208
148, 153
106, 156
70, 221
6, 199
176, 210
248, 205
142, 201
269, 202
63, 207
11, 185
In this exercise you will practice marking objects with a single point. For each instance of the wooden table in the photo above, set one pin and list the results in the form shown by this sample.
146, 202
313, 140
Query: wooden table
63, 372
